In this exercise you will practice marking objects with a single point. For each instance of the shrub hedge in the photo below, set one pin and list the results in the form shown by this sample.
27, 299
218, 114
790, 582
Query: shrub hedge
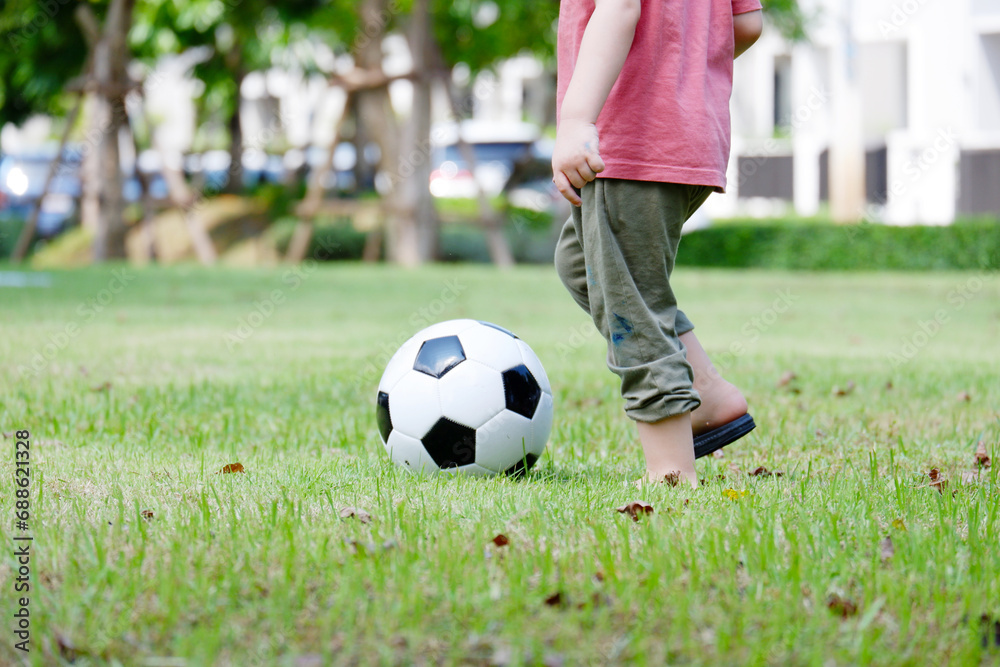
10, 230
972, 245
458, 242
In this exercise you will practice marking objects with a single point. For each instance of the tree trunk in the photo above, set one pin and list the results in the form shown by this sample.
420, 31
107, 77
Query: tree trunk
375, 110
182, 197
148, 232
847, 147
111, 79
414, 238
307, 210
235, 183
28, 233
90, 168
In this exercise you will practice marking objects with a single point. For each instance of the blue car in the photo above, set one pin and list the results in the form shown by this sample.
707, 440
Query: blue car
22, 178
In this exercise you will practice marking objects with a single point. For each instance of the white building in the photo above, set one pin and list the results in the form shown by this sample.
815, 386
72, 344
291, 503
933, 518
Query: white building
927, 75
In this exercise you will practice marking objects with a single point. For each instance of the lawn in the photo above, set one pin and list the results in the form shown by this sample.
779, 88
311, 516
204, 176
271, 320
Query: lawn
138, 386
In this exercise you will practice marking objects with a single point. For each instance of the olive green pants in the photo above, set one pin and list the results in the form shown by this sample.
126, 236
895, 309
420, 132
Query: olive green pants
615, 256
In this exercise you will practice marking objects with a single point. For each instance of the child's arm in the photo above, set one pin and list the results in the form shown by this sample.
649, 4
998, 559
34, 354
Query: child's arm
746, 29
606, 42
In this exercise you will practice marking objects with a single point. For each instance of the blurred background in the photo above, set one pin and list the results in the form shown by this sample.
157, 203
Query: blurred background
865, 134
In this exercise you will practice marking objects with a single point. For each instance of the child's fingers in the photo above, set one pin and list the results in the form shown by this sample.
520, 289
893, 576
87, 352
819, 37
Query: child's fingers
575, 177
586, 172
595, 162
565, 189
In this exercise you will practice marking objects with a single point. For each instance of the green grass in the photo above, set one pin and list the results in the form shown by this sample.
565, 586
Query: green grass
148, 398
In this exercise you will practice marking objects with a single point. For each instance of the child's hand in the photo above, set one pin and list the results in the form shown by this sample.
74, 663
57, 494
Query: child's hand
576, 159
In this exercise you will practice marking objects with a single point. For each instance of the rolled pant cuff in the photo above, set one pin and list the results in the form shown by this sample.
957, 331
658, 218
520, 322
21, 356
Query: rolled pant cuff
682, 324
663, 407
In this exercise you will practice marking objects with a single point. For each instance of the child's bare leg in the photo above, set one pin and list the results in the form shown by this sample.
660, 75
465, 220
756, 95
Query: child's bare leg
721, 401
669, 448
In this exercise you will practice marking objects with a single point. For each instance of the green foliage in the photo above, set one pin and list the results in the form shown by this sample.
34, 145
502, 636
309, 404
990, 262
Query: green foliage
239, 37
10, 230
788, 17
479, 33
41, 49
338, 240
975, 245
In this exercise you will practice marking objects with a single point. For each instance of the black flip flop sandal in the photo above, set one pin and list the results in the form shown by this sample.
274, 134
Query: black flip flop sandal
717, 438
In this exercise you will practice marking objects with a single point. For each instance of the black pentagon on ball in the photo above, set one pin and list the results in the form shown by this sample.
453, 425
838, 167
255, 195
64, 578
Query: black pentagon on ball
497, 327
382, 416
437, 356
450, 444
522, 466
521, 391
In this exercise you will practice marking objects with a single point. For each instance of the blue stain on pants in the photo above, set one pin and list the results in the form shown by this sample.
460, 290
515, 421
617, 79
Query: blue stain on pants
621, 328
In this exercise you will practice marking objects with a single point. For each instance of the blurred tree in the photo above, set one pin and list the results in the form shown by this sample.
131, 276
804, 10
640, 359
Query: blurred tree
37, 43
479, 33
52, 50
440, 34
239, 38
41, 50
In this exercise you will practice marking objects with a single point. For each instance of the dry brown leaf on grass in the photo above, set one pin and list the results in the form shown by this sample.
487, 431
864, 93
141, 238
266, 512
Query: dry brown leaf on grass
672, 478
635, 509
841, 606
597, 599
557, 599
937, 480
355, 513
501, 540
761, 471
67, 649
982, 458
146, 514
231, 468
886, 548
991, 631
844, 391
786, 378
963, 396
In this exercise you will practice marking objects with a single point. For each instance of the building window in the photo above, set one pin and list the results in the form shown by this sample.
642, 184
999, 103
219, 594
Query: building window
988, 84
782, 94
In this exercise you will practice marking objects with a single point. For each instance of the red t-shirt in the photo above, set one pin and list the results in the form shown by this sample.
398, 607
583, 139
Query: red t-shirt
667, 117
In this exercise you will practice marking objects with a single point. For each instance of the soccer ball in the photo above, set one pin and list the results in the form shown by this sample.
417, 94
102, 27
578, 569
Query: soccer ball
464, 396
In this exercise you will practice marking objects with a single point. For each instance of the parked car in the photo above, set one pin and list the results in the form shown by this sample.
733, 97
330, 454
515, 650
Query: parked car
22, 178
497, 148
530, 185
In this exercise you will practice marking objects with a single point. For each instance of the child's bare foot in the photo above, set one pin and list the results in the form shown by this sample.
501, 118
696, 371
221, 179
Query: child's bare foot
721, 401
673, 478
668, 446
